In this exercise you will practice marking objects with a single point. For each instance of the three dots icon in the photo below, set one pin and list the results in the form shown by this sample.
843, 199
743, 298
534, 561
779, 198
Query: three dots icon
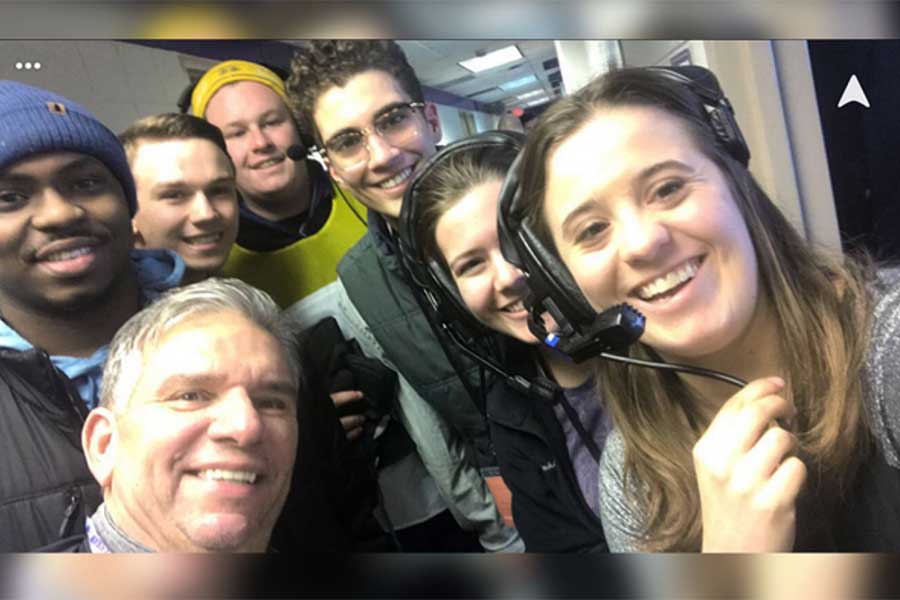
28, 66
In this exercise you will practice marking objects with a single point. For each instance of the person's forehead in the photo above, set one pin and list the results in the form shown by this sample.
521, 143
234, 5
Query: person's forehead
156, 157
211, 349
645, 132
357, 102
242, 100
209, 338
478, 198
461, 226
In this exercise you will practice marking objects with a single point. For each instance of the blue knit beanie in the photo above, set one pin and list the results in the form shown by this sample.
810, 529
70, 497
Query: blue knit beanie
35, 121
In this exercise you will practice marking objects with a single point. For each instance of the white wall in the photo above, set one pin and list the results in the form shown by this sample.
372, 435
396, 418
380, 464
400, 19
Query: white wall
485, 121
582, 60
749, 76
118, 82
452, 124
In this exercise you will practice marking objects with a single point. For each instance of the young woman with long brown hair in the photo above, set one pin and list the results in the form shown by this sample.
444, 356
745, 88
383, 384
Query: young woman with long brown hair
644, 196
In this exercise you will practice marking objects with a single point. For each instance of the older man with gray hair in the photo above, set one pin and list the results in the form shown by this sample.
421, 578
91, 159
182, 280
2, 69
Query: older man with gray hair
194, 441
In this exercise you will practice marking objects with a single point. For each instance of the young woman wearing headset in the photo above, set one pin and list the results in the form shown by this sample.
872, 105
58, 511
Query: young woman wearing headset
635, 189
547, 436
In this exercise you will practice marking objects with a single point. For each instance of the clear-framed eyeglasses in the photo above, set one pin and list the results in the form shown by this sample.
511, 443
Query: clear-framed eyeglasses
396, 126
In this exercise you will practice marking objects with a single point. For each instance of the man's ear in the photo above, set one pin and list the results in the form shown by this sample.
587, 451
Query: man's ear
138, 237
99, 438
431, 116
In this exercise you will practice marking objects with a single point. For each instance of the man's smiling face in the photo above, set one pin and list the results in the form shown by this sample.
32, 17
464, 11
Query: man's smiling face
202, 453
380, 180
65, 231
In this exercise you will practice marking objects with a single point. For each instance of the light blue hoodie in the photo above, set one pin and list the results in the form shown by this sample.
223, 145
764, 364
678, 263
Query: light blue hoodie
157, 271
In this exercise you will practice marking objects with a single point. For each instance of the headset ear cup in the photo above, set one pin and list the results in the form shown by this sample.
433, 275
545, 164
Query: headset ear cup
506, 217
548, 277
547, 266
729, 134
719, 112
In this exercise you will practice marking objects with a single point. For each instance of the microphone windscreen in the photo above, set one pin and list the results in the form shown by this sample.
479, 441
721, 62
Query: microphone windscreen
296, 152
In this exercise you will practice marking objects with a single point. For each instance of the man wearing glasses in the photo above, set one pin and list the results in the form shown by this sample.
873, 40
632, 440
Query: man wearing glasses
366, 111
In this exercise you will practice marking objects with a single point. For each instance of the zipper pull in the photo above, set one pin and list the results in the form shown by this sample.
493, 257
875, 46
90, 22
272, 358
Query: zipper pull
73, 501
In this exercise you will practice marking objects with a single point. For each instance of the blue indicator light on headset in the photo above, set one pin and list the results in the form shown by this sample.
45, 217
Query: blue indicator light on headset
551, 340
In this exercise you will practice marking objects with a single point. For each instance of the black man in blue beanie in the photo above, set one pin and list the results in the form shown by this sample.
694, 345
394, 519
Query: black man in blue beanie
69, 278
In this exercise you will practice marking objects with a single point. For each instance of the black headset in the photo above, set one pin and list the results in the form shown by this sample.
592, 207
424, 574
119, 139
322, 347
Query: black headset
436, 284
430, 273
583, 332
471, 337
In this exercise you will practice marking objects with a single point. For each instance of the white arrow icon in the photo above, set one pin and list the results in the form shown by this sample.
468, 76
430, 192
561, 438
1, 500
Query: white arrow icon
853, 93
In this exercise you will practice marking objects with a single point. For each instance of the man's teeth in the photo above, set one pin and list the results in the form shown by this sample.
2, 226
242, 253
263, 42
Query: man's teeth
397, 179
209, 238
68, 254
515, 307
669, 281
223, 475
268, 163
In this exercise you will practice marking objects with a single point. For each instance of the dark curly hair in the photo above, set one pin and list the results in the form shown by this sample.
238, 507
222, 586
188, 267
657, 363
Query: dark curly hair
323, 64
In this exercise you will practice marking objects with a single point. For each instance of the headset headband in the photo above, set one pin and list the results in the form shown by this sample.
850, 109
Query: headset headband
719, 112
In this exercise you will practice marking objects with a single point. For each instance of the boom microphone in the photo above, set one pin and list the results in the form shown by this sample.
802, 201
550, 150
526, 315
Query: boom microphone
613, 330
295, 152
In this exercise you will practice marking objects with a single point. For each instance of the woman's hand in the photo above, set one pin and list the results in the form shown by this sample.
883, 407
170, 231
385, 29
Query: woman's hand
748, 481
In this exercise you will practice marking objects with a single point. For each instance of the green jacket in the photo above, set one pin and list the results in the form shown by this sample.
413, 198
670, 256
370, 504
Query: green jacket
373, 278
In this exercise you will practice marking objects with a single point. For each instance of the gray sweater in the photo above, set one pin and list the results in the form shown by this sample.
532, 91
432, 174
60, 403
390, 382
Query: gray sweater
622, 519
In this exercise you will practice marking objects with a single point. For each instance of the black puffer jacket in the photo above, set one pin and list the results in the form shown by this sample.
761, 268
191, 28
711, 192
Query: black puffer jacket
548, 506
46, 488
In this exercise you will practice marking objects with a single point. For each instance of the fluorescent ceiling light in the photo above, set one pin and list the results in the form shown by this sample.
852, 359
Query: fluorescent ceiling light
517, 83
530, 94
492, 59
